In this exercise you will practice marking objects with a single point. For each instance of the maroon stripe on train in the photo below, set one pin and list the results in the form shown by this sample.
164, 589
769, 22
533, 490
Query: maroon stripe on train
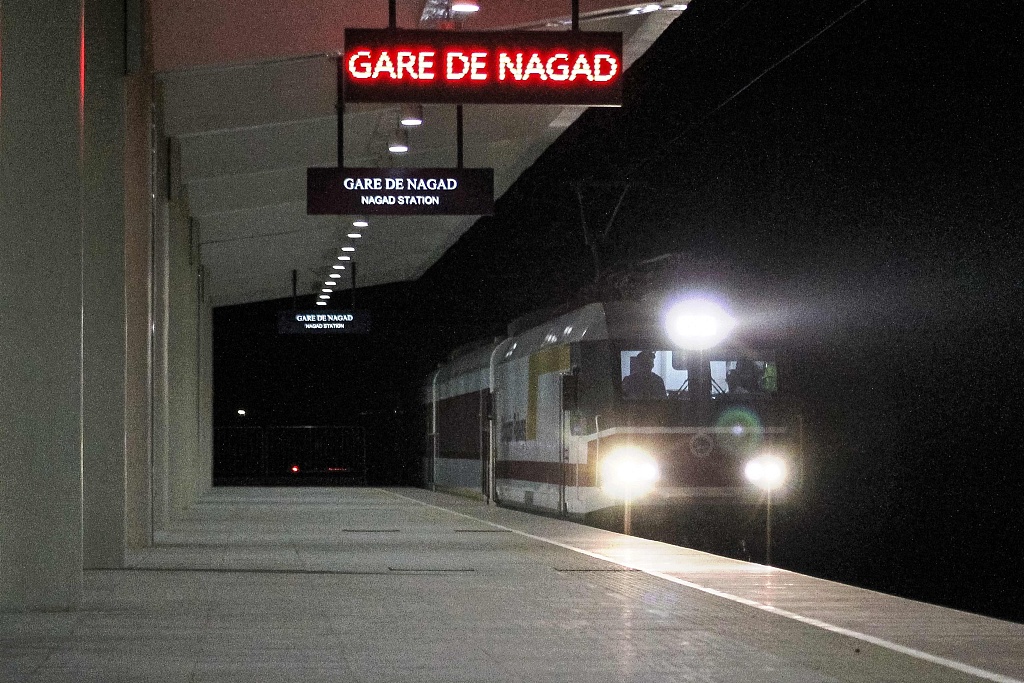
686, 459
683, 462
545, 472
691, 459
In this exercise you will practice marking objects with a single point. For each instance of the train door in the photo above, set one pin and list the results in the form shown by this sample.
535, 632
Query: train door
548, 367
430, 459
484, 432
569, 404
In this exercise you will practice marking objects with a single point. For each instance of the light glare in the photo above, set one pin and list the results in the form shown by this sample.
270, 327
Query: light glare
766, 472
465, 7
698, 324
628, 472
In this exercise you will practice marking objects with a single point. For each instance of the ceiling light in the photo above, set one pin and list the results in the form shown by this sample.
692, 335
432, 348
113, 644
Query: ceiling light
335, 275
348, 248
676, 7
399, 142
327, 291
360, 222
344, 258
465, 7
412, 115
321, 303
325, 296
338, 266
355, 235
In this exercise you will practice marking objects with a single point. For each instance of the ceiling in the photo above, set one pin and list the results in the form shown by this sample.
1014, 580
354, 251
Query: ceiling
248, 99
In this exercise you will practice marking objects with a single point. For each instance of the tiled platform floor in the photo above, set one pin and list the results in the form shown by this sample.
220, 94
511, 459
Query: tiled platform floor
406, 585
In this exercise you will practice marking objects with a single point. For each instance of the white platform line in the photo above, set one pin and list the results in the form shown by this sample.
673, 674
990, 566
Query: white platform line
880, 642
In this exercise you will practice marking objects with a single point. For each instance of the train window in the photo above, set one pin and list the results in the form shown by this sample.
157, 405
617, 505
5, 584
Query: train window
737, 376
652, 374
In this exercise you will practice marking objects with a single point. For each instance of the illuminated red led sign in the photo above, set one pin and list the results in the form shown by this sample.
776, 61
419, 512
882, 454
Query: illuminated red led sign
520, 67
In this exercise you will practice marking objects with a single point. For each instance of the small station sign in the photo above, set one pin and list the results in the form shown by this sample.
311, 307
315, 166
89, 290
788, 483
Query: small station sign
400, 191
515, 67
323, 322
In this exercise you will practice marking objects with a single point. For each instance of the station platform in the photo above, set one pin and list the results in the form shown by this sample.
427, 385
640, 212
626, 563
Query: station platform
407, 585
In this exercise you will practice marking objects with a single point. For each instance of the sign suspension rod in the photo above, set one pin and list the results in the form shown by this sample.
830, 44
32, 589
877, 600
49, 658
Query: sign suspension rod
341, 122
352, 292
575, 15
458, 136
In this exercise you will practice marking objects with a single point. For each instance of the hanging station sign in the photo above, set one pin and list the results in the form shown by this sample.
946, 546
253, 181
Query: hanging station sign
323, 322
501, 67
400, 191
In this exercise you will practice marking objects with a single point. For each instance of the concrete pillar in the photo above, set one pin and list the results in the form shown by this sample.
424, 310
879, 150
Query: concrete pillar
178, 391
41, 225
138, 255
204, 462
183, 395
104, 288
160, 443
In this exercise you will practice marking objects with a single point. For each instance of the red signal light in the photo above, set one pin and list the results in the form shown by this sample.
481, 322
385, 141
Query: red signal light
295, 469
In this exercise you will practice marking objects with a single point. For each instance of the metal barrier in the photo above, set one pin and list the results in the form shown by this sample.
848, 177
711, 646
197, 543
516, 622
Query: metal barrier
282, 455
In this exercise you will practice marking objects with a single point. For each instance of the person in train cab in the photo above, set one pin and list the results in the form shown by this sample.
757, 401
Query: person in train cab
743, 378
642, 381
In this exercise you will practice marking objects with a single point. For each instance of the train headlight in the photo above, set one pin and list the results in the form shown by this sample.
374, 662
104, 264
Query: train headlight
698, 324
628, 472
766, 471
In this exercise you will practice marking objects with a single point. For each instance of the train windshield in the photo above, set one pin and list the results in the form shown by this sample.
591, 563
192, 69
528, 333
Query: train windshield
653, 374
748, 374
660, 374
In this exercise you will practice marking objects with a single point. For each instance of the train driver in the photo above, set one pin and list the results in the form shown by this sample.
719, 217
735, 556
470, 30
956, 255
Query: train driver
642, 381
743, 379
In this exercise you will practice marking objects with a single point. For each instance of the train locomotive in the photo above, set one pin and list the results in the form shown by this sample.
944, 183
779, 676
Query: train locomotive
552, 418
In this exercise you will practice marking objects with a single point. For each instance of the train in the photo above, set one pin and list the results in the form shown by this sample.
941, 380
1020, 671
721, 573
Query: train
603, 405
